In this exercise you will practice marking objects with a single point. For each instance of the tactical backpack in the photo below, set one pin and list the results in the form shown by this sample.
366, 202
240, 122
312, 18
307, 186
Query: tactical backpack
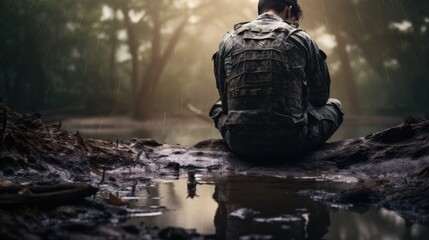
260, 63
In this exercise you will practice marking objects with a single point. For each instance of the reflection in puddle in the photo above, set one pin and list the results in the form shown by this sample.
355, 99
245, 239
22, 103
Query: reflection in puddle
239, 207
181, 208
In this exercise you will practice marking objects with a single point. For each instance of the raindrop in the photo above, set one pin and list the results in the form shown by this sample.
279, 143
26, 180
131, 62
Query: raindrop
387, 74
98, 44
119, 88
99, 128
38, 34
49, 50
47, 91
417, 58
360, 19
324, 10
84, 70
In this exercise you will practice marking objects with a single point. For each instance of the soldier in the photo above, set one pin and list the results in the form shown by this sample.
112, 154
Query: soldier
274, 85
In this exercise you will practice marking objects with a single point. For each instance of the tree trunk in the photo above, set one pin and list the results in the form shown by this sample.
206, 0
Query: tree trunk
133, 46
113, 48
113, 79
159, 60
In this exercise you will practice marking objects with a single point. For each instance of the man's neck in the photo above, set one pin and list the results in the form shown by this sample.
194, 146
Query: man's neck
272, 12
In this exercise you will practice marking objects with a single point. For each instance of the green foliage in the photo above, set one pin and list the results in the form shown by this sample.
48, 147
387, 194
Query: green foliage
52, 54
387, 42
392, 37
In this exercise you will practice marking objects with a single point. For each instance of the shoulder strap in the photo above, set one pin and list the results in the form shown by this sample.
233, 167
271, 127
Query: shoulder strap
292, 32
239, 25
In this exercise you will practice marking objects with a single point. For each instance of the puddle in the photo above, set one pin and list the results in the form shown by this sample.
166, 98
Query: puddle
243, 207
179, 207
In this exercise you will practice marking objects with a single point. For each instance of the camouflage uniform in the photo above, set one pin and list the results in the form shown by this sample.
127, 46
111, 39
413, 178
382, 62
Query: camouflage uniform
274, 88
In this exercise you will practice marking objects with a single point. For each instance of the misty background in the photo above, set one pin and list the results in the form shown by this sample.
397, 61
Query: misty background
146, 58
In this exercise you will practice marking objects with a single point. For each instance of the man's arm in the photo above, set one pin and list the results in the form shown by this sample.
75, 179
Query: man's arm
316, 70
219, 72
221, 68
319, 80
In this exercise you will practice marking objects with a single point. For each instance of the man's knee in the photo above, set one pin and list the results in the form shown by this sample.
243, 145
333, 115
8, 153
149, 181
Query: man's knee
329, 112
216, 113
216, 110
335, 102
325, 122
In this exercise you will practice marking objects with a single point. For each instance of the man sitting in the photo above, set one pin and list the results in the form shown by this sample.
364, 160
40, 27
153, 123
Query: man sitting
274, 85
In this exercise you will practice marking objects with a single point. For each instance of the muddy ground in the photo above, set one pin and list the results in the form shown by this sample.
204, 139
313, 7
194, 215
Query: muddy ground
391, 168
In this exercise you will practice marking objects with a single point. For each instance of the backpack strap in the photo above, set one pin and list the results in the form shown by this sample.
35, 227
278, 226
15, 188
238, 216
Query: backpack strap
239, 25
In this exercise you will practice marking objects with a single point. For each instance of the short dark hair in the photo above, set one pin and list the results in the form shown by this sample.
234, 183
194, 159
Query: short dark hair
279, 5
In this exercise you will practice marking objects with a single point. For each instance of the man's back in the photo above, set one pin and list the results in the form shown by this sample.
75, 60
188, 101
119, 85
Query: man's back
265, 66
269, 76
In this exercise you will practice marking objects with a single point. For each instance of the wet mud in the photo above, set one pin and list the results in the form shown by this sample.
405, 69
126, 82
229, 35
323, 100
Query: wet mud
388, 169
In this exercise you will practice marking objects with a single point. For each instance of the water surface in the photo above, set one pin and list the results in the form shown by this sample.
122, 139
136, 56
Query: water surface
238, 207
188, 131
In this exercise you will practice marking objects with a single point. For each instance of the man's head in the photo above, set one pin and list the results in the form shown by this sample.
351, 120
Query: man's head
289, 8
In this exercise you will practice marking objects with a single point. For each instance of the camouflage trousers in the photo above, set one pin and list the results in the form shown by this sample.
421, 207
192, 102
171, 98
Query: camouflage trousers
263, 140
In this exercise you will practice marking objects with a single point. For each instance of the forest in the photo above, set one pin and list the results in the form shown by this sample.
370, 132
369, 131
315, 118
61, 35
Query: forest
136, 58
104, 131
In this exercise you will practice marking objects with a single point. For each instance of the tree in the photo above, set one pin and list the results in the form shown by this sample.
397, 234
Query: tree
157, 27
394, 42
384, 41
337, 17
51, 52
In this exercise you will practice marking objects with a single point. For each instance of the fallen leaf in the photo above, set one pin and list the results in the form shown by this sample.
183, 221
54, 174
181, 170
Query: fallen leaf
114, 200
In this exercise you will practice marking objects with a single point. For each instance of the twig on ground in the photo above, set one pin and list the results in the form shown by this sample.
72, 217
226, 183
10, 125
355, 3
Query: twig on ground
198, 112
104, 175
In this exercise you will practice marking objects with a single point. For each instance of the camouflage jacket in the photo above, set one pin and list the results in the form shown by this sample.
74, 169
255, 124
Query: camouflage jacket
308, 79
